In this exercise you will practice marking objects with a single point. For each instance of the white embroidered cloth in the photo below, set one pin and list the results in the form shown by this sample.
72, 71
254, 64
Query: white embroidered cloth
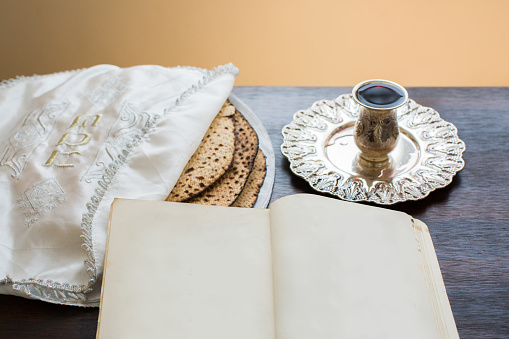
70, 143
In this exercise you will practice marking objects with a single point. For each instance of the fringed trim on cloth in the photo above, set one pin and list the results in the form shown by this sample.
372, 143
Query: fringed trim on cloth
104, 183
208, 77
8, 83
65, 293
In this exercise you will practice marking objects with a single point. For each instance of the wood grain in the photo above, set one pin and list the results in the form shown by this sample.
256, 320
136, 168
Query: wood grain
468, 220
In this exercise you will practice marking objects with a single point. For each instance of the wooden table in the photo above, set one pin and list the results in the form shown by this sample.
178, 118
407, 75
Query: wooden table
468, 220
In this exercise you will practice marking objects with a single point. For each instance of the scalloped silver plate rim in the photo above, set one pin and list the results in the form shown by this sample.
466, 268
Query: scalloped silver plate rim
461, 147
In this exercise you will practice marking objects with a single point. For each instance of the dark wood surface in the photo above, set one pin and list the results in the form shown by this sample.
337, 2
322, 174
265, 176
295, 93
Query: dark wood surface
468, 220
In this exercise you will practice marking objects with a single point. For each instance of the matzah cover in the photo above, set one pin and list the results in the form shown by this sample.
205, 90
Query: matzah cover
70, 143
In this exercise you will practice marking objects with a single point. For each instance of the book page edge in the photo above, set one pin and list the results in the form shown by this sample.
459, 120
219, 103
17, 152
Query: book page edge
446, 326
104, 272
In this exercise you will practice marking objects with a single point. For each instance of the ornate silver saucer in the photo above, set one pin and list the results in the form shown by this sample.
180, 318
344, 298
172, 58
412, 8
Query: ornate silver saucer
320, 145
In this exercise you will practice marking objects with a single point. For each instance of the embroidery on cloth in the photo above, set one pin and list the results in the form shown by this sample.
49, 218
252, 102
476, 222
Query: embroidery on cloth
48, 289
35, 129
128, 125
107, 93
103, 184
40, 198
78, 138
8, 83
76, 294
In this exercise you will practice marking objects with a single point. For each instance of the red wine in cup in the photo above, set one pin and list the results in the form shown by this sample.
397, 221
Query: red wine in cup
380, 95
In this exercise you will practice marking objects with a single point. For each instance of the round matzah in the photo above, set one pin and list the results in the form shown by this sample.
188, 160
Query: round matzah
210, 161
226, 190
227, 110
254, 182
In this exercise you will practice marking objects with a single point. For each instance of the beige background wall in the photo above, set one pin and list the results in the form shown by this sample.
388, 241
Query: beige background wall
278, 42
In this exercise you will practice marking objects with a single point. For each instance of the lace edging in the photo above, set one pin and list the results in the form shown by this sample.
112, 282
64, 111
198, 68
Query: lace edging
8, 83
104, 183
209, 76
76, 294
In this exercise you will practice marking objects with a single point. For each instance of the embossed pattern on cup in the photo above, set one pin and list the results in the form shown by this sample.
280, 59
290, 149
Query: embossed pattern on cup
376, 129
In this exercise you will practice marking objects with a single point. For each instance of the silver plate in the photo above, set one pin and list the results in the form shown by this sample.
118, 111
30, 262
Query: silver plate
320, 147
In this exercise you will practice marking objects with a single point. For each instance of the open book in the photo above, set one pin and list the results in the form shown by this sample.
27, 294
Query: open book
309, 267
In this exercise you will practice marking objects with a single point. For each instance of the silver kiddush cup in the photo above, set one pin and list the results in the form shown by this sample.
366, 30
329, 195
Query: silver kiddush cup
376, 130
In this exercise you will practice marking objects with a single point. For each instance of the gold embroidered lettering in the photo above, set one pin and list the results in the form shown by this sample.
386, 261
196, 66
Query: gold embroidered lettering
84, 141
53, 156
82, 120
